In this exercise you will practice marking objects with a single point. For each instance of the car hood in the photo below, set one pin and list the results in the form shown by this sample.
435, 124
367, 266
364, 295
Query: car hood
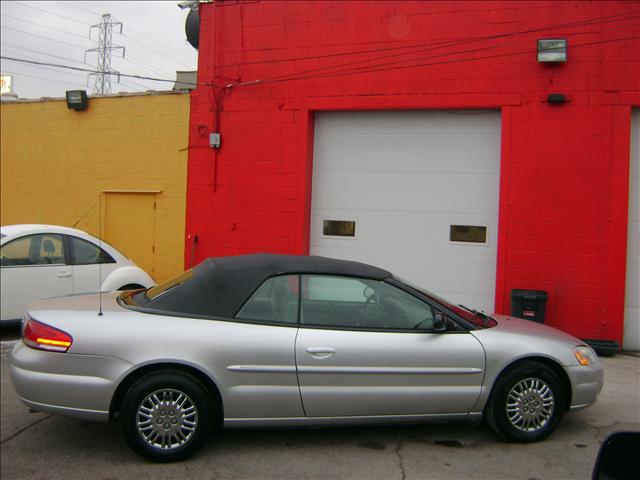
534, 329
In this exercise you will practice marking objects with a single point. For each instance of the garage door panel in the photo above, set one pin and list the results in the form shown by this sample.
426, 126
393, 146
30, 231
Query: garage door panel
405, 178
462, 193
419, 122
415, 160
419, 232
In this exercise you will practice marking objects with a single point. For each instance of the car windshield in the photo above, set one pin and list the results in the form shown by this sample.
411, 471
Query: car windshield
478, 319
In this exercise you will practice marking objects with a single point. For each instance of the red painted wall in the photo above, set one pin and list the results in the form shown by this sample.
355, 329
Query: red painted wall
267, 66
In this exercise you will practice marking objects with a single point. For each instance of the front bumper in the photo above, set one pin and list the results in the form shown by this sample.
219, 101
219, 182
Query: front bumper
79, 386
586, 384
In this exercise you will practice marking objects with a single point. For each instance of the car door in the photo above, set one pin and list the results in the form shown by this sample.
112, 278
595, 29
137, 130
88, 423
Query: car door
33, 267
366, 347
91, 265
260, 378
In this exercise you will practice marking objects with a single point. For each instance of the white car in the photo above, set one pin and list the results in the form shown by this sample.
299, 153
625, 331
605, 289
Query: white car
41, 261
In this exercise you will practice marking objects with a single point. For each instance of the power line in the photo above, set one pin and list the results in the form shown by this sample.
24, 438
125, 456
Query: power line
78, 7
328, 75
131, 84
131, 60
156, 41
586, 22
157, 51
15, 46
45, 78
338, 69
44, 26
79, 69
72, 4
443, 62
146, 66
43, 37
50, 13
140, 63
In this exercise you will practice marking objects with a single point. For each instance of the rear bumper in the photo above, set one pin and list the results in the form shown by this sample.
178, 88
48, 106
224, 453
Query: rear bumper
586, 384
79, 386
96, 415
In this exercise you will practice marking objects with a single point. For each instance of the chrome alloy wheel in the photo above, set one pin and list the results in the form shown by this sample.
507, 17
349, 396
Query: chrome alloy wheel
167, 419
530, 404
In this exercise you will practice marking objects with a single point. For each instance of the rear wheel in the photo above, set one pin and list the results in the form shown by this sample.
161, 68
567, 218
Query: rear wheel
526, 404
166, 417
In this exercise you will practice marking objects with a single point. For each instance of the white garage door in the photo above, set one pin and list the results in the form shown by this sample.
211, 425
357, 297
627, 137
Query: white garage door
413, 191
632, 301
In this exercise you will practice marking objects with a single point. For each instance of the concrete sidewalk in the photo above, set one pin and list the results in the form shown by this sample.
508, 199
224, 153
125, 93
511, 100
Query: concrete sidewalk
36, 446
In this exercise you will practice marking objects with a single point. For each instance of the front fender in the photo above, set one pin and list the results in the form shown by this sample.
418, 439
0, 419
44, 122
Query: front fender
126, 276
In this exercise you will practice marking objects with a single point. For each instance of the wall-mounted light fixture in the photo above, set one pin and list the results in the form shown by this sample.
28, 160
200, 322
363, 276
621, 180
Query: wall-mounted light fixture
556, 99
77, 99
552, 50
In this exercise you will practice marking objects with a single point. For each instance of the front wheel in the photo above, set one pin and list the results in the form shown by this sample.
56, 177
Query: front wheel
526, 404
166, 417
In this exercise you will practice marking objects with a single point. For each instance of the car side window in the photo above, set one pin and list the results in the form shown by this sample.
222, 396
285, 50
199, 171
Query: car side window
276, 300
41, 249
86, 253
361, 303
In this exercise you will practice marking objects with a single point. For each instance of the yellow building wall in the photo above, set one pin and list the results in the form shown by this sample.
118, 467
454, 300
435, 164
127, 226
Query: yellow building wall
57, 165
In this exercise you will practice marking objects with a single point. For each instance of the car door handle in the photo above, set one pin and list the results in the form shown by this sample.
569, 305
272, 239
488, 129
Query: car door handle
321, 351
64, 274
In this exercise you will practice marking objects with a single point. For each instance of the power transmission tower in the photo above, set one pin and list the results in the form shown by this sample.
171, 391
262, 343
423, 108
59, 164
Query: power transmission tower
105, 47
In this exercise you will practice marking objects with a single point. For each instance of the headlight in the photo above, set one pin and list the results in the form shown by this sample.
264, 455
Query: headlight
585, 355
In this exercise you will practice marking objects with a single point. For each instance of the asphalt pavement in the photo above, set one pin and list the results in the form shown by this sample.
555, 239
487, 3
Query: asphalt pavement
42, 446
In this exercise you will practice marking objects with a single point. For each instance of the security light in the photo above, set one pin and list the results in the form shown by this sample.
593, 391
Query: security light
552, 50
77, 99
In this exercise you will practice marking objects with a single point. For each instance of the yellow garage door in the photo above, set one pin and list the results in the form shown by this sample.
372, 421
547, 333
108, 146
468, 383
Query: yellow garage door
130, 226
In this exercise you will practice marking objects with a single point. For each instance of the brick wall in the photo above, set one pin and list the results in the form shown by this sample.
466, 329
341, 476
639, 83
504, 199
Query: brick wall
55, 162
564, 169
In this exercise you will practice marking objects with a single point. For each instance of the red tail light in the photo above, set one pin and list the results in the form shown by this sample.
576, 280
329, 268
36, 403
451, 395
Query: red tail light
44, 337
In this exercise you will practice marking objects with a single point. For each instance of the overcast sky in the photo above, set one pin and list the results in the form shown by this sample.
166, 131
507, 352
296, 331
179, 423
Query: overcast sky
58, 32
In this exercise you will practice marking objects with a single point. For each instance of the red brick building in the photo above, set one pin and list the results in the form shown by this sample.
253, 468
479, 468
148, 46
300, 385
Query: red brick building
426, 132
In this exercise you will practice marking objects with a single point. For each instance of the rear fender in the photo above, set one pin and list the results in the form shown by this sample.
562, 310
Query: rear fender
126, 276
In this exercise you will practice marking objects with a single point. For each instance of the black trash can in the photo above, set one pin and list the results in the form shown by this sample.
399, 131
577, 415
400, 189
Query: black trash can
529, 304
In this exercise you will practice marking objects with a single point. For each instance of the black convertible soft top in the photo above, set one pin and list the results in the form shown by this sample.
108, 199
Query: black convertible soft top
220, 286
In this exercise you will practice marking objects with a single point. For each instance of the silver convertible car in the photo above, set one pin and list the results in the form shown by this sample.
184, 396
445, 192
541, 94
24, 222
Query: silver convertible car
278, 340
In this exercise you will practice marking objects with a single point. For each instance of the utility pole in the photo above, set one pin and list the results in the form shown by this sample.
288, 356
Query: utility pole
102, 84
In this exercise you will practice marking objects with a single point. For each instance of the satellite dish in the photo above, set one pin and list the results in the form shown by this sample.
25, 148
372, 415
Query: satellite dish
192, 28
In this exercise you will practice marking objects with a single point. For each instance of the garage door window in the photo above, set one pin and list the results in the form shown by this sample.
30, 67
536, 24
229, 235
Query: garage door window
468, 234
339, 228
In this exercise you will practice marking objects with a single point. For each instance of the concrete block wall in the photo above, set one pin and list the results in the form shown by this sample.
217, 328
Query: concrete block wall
564, 168
55, 163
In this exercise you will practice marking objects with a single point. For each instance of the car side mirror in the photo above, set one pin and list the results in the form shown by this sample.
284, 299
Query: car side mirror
439, 322
617, 457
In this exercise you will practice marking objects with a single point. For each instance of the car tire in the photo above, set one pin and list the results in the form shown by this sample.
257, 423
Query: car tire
166, 417
526, 403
